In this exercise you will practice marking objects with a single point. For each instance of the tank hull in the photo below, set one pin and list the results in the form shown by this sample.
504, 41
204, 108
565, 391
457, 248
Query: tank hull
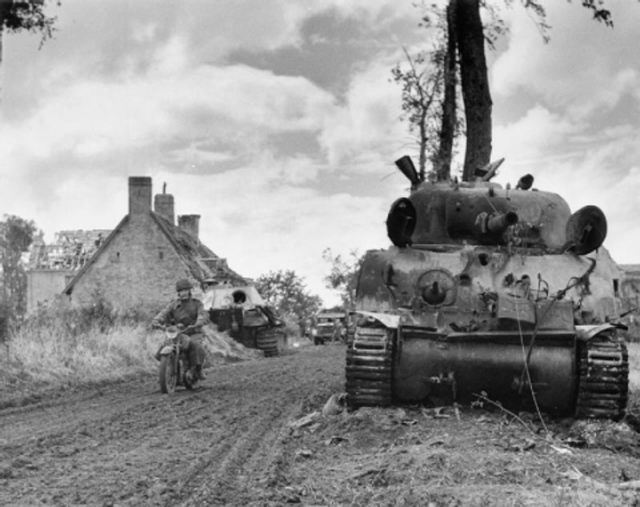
483, 338
467, 368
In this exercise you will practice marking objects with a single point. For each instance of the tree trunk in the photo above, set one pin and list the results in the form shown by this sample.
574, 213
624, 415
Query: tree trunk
1, 66
449, 113
3, 8
475, 86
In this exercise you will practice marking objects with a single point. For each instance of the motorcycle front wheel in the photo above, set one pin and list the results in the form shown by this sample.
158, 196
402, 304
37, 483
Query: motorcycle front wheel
168, 374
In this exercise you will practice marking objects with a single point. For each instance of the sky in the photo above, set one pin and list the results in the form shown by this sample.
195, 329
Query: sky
277, 121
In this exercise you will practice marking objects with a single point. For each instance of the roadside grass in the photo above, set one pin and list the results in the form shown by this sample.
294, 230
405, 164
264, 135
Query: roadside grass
62, 346
36, 365
51, 355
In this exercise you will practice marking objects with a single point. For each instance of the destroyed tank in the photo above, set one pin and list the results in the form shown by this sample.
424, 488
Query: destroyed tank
241, 312
489, 295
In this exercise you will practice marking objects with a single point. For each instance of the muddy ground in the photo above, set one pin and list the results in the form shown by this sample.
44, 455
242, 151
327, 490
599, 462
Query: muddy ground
254, 434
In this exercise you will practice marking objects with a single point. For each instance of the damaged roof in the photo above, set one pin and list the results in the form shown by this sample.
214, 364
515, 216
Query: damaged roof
201, 261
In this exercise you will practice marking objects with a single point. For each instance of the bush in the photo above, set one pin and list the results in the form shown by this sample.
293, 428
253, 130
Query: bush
100, 315
291, 326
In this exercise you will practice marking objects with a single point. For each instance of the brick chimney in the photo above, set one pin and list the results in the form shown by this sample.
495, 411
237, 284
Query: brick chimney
139, 195
190, 224
164, 206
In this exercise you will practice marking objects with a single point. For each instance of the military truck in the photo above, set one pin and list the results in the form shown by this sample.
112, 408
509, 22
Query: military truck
329, 326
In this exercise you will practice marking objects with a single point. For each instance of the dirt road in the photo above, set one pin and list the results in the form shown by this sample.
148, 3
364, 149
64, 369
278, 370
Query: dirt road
130, 445
232, 442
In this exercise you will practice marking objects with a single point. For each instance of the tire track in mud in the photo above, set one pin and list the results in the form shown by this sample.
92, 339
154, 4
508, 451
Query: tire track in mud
231, 470
242, 472
129, 445
51, 414
85, 454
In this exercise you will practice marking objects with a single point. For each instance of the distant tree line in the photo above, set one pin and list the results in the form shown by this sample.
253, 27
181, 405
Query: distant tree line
16, 235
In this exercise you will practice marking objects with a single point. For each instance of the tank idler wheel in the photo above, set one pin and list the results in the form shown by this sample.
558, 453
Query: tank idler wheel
603, 387
369, 368
267, 341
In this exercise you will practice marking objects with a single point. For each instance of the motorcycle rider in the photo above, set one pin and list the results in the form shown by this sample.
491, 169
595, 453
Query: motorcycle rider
189, 312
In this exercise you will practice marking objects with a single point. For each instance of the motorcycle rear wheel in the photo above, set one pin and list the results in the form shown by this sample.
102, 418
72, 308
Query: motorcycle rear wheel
168, 374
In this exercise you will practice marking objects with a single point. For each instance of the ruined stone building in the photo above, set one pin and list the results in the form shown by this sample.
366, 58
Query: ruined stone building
50, 267
137, 264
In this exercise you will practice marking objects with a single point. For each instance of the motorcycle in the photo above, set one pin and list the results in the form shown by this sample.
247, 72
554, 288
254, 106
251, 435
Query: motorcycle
174, 368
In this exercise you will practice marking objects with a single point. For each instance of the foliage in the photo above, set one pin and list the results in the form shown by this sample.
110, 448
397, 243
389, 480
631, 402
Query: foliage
48, 355
60, 344
18, 15
430, 103
16, 234
285, 291
98, 315
422, 98
343, 276
430, 91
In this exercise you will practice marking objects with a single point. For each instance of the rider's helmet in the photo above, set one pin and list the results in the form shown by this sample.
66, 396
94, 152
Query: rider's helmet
183, 284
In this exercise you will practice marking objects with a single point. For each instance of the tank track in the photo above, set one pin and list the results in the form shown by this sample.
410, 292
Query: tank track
603, 379
267, 341
369, 367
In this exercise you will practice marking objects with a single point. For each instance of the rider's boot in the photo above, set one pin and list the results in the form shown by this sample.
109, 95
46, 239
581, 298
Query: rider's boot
199, 373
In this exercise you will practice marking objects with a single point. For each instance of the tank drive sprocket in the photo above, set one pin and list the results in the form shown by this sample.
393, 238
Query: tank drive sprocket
369, 367
603, 379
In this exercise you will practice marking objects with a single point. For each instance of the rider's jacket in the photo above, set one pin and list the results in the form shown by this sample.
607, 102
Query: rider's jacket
189, 312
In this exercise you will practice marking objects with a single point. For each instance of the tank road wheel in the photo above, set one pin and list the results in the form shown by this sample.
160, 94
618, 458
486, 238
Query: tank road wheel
168, 374
369, 367
604, 379
267, 341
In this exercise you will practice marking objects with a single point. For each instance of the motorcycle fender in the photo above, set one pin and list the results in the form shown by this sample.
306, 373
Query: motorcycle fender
166, 350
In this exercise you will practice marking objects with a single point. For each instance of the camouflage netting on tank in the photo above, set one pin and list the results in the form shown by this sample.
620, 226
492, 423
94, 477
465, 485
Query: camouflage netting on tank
220, 346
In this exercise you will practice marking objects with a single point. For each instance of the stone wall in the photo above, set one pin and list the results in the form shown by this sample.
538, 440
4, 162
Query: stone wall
46, 284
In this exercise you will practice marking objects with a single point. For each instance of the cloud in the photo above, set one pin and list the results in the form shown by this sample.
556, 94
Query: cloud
538, 132
236, 105
579, 70
566, 113
368, 118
